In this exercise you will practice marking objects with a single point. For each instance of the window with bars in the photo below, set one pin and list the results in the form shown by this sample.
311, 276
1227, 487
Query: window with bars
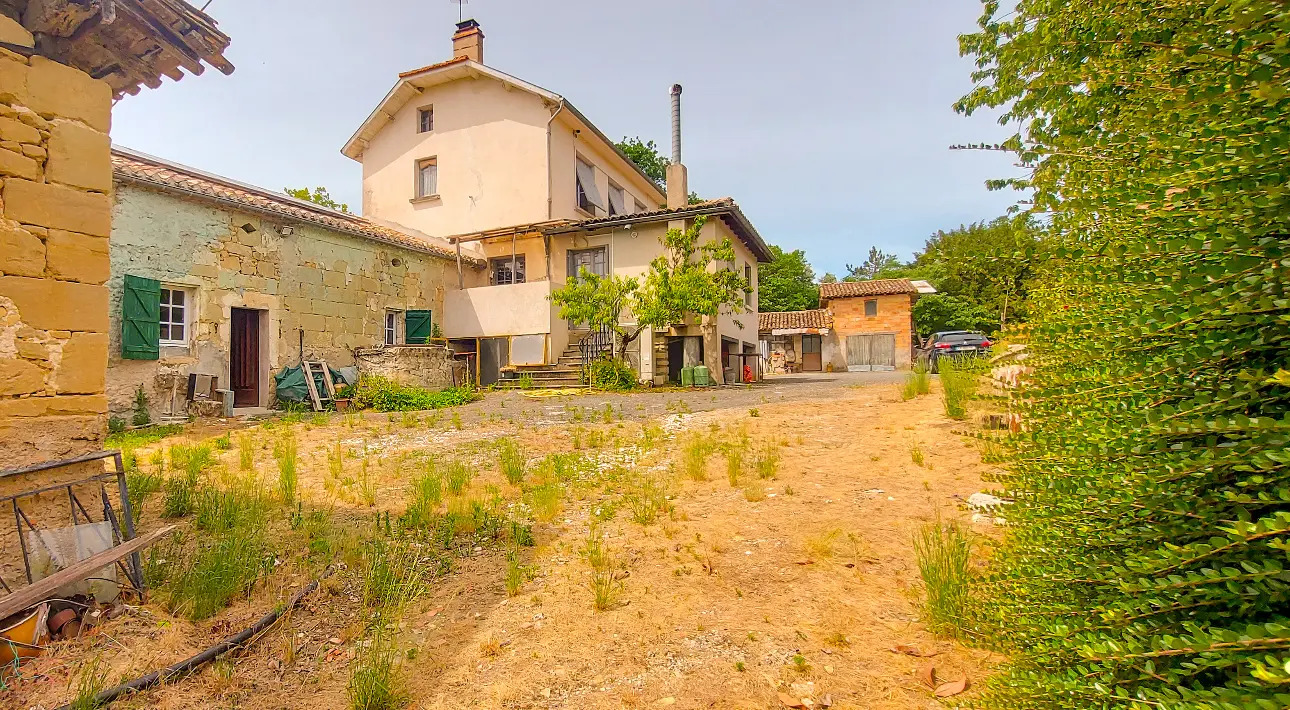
503, 273
748, 292
425, 120
428, 177
174, 316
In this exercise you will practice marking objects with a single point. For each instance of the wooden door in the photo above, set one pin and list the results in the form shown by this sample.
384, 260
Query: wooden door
871, 352
811, 359
244, 358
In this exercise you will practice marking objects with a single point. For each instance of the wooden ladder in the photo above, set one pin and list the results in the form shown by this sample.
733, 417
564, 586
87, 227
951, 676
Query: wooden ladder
320, 367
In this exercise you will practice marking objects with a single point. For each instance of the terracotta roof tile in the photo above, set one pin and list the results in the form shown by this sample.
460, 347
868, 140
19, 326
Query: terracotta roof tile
877, 287
139, 168
725, 207
818, 318
439, 65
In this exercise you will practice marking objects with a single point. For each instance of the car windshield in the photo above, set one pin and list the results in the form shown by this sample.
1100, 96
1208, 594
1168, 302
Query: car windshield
960, 337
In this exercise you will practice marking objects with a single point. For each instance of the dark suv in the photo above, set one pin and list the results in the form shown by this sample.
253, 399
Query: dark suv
952, 343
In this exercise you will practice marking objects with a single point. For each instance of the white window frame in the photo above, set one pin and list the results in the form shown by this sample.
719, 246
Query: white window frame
422, 113
167, 295
418, 177
391, 329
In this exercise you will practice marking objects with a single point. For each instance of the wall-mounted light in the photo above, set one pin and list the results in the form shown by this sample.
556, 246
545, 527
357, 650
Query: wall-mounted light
248, 228
287, 230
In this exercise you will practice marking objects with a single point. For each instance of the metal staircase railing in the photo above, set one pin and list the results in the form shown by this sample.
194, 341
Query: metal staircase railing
597, 344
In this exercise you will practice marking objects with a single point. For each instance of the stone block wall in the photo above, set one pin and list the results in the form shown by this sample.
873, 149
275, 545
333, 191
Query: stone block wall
895, 315
333, 286
428, 366
56, 173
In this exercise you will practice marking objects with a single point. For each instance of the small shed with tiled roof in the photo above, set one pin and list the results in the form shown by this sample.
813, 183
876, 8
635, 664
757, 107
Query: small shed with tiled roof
859, 326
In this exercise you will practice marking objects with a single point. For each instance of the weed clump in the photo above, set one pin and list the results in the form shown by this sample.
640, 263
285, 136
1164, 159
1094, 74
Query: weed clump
384, 395
943, 551
511, 459
959, 381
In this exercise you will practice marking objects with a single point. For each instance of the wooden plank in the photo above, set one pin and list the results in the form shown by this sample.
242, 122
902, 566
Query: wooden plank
309, 384
327, 381
41, 590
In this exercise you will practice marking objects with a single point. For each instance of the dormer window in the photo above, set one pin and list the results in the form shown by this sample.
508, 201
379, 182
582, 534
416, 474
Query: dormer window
617, 204
588, 195
425, 120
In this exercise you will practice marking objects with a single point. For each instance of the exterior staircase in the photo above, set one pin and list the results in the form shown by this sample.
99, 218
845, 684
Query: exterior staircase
566, 373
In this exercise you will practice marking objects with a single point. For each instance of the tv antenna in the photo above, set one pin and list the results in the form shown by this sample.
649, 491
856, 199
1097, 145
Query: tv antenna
459, 4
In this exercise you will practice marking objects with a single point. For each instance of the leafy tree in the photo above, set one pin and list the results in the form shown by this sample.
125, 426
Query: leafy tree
1145, 557
646, 156
680, 284
787, 283
873, 267
941, 311
319, 196
828, 278
988, 263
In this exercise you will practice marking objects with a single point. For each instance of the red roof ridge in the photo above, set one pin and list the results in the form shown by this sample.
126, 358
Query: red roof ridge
872, 287
431, 67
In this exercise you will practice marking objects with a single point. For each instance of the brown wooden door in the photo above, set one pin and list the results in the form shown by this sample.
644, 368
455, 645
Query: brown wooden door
244, 358
811, 361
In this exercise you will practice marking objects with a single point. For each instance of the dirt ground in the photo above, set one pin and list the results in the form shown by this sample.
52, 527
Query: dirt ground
726, 602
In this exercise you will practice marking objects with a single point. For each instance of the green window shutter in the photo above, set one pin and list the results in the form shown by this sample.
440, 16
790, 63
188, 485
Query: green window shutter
416, 327
141, 319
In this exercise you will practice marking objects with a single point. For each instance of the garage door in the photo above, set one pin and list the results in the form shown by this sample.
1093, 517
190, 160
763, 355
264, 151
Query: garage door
871, 352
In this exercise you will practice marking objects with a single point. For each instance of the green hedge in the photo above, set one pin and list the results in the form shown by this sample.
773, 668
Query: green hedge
1145, 563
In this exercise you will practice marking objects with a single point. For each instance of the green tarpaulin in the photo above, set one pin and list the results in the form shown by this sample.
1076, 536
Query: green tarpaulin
291, 385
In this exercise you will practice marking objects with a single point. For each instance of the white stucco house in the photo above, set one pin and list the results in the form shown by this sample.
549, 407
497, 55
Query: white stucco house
515, 174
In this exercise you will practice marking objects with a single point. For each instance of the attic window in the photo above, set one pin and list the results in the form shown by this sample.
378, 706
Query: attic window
871, 307
617, 204
588, 196
425, 120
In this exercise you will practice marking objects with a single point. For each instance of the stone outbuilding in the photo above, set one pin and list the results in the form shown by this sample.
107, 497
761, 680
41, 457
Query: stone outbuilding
217, 285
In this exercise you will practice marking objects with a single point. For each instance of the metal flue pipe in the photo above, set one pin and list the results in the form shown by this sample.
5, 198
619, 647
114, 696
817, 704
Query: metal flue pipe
676, 123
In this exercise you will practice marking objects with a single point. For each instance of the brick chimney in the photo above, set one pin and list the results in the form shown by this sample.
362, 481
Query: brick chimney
468, 41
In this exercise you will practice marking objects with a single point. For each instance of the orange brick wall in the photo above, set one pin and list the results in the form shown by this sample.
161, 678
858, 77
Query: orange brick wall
894, 316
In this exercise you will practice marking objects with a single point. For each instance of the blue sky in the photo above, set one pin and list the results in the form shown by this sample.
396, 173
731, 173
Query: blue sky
828, 121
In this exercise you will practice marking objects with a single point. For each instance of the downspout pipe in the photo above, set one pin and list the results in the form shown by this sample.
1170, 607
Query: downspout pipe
550, 199
676, 123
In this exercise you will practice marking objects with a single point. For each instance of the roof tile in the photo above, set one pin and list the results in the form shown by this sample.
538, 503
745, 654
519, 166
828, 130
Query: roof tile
876, 287
818, 318
135, 167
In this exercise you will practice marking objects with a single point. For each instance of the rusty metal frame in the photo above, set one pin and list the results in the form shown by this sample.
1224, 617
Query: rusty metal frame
122, 524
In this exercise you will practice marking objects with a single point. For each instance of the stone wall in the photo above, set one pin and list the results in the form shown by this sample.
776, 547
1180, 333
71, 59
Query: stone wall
56, 169
428, 366
894, 316
333, 286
